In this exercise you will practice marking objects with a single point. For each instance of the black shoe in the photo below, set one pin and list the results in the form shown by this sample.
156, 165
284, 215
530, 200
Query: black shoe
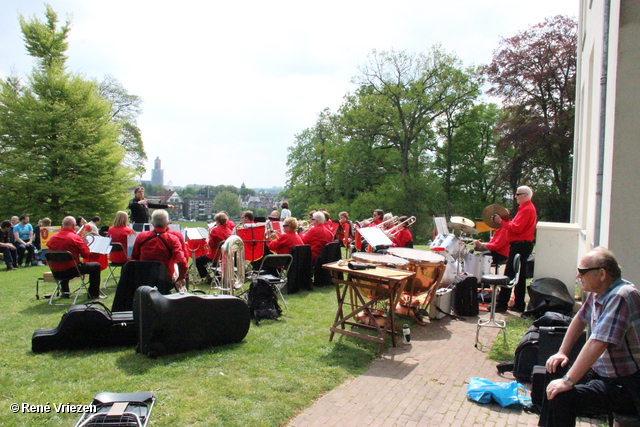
516, 308
96, 297
65, 295
17, 265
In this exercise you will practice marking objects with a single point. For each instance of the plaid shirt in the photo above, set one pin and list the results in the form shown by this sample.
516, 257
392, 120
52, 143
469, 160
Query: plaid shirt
614, 317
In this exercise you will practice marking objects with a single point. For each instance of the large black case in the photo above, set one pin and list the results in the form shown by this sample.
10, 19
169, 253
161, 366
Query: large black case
465, 295
87, 326
182, 322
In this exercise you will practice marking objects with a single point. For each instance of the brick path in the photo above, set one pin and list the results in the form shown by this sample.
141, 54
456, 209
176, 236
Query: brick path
423, 384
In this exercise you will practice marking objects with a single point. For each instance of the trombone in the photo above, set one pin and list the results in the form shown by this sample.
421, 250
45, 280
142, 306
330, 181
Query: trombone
393, 231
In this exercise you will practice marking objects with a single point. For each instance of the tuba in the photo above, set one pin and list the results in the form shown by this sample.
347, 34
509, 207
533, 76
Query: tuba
232, 265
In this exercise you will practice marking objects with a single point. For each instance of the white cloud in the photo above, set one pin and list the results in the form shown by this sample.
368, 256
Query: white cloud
226, 86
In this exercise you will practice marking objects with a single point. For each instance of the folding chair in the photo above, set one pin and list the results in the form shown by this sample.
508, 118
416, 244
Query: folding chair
115, 248
119, 410
64, 256
275, 268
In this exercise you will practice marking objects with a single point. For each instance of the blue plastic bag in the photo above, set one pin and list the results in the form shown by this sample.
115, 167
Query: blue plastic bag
484, 391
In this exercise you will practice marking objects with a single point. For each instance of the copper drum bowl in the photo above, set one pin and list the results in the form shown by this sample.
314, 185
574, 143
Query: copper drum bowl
429, 267
381, 260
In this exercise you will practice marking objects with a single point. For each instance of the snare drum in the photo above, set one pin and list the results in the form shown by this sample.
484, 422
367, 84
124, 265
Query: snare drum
381, 260
477, 264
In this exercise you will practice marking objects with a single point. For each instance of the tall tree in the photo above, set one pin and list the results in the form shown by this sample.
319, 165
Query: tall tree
125, 109
59, 151
399, 99
534, 72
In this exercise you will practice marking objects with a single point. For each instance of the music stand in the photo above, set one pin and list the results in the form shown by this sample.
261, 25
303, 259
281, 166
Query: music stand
375, 237
198, 235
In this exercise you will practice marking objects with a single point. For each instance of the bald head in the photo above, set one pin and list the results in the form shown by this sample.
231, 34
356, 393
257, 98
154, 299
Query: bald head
69, 222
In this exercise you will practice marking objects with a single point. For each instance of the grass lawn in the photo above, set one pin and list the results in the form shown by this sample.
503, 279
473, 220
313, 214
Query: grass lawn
280, 368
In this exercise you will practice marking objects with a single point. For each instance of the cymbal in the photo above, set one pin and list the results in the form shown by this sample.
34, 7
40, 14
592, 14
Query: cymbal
462, 224
459, 220
494, 209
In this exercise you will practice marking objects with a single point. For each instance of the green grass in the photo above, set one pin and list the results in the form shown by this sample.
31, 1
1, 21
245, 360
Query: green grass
280, 368
516, 328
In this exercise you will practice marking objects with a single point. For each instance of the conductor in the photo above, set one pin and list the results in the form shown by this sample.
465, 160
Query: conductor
139, 207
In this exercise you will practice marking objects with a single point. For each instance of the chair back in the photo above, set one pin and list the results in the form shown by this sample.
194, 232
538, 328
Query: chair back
59, 257
279, 263
140, 273
300, 270
116, 247
330, 253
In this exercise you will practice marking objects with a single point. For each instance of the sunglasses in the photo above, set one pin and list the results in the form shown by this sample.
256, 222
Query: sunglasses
520, 194
583, 271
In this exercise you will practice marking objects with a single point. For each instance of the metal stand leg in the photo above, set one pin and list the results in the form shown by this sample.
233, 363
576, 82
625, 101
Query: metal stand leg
492, 322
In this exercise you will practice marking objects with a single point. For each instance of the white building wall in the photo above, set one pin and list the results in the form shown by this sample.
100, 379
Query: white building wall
621, 160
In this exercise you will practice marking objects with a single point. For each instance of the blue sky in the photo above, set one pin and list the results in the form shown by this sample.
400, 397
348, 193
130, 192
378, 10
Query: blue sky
227, 85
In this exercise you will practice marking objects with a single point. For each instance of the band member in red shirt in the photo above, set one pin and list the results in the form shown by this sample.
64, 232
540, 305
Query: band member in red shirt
159, 245
67, 240
118, 233
521, 230
217, 235
403, 239
317, 236
287, 239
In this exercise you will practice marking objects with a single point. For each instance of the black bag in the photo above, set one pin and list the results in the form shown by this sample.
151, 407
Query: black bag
182, 322
465, 295
526, 356
87, 326
548, 294
551, 318
263, 300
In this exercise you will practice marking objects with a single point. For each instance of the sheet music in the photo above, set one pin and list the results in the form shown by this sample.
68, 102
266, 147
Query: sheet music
375, 237
197, 233
441, 225
175, 227
131, 239
100, 245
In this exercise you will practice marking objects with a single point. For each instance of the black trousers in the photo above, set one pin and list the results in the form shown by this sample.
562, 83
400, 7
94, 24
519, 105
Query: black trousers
524, 249
10, 256
90, 268
595, 397
201, 265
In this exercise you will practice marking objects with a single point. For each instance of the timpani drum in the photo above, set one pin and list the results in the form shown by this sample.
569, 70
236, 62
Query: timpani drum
429, 268
477, 264
381, 260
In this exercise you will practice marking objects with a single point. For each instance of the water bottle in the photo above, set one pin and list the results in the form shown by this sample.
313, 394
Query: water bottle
406, 333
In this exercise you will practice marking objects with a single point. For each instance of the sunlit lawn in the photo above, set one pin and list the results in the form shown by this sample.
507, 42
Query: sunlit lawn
280, 368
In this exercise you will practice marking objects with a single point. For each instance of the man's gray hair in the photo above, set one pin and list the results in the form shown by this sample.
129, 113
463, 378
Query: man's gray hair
525, 189
604, 258
160, 218
319, 216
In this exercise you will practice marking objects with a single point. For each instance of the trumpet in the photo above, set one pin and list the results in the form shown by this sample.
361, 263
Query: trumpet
303, 226
364, 222
393, 231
